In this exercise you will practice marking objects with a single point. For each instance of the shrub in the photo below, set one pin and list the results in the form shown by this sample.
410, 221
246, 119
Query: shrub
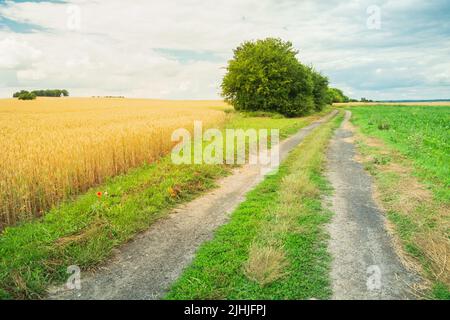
27, 96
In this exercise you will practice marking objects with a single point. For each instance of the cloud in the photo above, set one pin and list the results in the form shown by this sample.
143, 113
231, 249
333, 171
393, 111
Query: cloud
16, 54
173, 49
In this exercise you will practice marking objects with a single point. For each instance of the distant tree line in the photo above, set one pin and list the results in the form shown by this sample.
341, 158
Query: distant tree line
110, 97
27, 95
336, 95
265, 75
24, 95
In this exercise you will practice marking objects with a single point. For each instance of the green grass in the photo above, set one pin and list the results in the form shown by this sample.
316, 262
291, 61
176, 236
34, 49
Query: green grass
84, 231
420, 133
287, 126
282, 215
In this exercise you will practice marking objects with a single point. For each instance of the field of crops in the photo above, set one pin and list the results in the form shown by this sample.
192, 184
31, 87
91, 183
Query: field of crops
420, 133
53, 148
407, 150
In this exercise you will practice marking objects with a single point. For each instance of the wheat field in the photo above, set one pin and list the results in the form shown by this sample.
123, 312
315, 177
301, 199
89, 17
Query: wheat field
53, 148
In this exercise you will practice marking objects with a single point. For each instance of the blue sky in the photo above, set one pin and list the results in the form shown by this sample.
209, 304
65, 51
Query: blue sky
379, 49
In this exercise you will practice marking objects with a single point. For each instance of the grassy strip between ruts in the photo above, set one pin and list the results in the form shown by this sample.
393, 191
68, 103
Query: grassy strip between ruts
404, 150
274, 246
84, 231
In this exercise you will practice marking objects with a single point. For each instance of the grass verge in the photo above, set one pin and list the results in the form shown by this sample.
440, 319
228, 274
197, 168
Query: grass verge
403, 148
84, 231
274, 246
265, 120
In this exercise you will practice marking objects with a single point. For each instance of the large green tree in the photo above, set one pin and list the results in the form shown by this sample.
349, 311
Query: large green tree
320, 90
265, 75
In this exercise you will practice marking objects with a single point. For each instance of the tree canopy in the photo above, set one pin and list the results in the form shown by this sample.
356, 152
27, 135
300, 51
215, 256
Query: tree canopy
265, 75
336, 95
44, 93
24, 95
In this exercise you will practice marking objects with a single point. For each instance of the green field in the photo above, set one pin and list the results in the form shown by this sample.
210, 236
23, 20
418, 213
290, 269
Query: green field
412, 176
420, 133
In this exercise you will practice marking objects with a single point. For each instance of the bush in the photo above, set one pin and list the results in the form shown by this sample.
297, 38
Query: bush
26, 96
265, 75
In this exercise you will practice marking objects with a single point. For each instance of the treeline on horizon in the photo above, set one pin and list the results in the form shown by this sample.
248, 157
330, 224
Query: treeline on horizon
30, 95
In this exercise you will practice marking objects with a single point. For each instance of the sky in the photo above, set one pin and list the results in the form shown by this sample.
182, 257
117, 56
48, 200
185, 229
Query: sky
166, 49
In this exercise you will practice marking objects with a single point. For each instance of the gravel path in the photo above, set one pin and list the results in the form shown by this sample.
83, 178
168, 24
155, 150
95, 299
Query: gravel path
365, 265
146, 267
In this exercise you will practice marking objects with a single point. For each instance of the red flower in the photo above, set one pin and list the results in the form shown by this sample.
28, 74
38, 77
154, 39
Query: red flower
99, 194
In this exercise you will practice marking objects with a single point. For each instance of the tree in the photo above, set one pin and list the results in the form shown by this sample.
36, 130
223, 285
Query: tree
25, 95
320, 90
265, 75
44, 93
336, 95
17, 94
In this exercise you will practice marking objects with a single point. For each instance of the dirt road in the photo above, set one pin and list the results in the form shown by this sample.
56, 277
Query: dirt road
365, 265
146, 267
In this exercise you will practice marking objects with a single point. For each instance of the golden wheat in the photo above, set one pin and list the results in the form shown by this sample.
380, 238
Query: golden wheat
52, 148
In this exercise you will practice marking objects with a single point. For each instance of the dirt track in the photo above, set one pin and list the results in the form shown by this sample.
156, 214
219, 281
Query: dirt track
146, 267
365, 265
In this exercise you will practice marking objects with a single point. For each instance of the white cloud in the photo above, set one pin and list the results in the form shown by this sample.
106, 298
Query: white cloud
16, 54
114, 48
30, 74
